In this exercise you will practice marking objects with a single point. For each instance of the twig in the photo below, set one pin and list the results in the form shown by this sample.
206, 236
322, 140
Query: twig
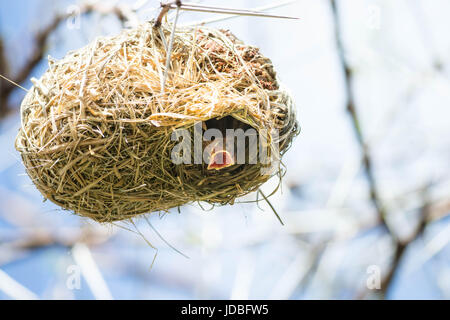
164, 240
169, 50
165, 8
240, 12
400, 247
271, 207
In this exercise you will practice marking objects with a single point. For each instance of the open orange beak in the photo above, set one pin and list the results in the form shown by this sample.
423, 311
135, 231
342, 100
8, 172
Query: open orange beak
219, 160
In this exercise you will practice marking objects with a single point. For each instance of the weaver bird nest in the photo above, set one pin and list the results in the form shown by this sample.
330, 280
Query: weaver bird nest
97, 128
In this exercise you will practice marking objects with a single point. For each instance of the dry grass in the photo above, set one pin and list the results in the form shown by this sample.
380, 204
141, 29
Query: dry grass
95, 135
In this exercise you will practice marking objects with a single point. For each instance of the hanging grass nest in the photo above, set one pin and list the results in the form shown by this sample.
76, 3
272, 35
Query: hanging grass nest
97, 127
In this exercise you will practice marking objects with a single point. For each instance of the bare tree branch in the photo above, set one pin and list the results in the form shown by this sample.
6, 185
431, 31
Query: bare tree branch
401, 246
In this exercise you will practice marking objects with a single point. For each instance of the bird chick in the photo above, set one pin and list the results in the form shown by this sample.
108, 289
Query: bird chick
220, 156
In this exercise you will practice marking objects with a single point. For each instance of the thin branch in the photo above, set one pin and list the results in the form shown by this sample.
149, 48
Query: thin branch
401, 246
271, 207
227, 17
